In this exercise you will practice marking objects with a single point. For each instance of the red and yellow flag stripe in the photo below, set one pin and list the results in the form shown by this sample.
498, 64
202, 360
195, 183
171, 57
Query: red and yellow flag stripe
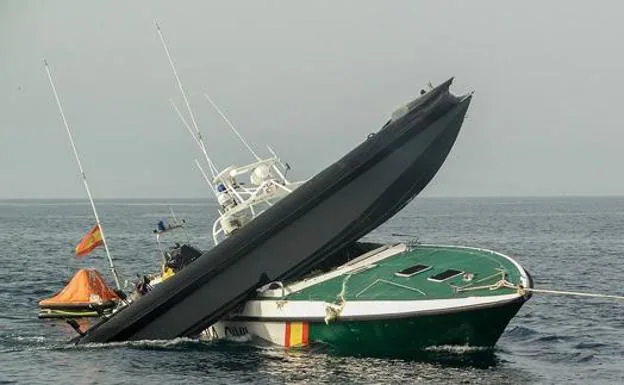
296, 334
89, 242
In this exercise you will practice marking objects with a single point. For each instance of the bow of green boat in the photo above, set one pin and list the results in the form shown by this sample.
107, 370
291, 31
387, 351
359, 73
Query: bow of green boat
398, 273
394, 300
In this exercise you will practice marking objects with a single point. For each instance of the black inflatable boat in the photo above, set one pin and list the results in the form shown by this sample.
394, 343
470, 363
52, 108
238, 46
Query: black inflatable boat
328, 213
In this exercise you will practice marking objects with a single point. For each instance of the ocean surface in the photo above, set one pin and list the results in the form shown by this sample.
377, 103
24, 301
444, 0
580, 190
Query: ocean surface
566, 243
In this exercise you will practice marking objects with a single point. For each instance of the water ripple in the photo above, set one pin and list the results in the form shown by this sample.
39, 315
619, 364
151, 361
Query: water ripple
567, 244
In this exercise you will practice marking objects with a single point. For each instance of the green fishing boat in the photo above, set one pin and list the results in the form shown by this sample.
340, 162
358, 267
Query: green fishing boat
394, 300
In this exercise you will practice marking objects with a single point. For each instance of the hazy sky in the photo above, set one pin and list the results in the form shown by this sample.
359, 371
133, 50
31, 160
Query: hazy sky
311, 78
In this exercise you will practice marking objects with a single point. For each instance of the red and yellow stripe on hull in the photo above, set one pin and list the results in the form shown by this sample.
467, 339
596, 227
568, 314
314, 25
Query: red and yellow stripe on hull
296, 334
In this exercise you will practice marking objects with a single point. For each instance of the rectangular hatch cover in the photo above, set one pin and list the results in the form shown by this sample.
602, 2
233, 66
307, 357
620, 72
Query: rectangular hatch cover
412, 270
443, 276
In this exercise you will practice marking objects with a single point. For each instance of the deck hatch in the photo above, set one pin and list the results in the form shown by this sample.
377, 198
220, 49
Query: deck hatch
443, 276
412, 270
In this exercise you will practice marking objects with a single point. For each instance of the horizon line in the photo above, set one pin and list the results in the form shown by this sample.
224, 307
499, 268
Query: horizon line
213, 199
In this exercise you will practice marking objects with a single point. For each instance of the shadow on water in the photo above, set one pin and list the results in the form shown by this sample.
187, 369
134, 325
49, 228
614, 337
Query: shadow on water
444, 356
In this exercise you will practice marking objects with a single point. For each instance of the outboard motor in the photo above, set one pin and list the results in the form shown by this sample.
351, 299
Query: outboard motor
178, 256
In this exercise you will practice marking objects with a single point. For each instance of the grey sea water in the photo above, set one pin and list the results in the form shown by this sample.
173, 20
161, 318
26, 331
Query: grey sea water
566, 243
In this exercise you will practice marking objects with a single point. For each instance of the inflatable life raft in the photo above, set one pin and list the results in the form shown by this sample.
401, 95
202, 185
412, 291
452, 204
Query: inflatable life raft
86, 295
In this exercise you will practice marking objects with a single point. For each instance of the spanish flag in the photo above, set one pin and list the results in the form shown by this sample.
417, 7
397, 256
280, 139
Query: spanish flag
89, 242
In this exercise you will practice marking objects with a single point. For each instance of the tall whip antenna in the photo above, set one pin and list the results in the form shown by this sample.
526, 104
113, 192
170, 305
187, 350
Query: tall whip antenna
205, 177
188, 106
83, 175
242, 139
232, 127
213, 167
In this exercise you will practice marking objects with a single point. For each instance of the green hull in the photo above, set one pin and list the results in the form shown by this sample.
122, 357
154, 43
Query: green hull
410, 337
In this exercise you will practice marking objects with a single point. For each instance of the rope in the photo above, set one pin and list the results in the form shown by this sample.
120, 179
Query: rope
333, 310
522, 290
498, 285
389, 283
500, 272
343, 291
575, 293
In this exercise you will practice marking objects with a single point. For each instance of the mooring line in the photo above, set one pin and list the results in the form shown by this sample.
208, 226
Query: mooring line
522, 290
574, 293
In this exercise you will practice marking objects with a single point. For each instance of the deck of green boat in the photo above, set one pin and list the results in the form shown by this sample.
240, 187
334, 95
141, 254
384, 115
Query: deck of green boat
381, 283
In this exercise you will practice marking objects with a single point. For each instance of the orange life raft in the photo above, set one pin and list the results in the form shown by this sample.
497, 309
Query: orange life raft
86, 295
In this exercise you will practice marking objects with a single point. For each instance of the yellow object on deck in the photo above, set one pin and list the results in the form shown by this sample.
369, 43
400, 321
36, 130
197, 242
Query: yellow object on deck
167, 273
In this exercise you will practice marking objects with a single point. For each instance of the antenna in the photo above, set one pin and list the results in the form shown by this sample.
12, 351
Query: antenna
184, 122
205, 177
83, 175
213, 168
188, 106
175, 221
286, 166
279, 173
232, 127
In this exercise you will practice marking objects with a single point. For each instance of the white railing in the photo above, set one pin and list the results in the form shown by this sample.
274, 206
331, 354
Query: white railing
241, 203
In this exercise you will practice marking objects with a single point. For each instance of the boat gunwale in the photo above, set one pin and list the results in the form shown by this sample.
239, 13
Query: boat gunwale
368, 258
498, 302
